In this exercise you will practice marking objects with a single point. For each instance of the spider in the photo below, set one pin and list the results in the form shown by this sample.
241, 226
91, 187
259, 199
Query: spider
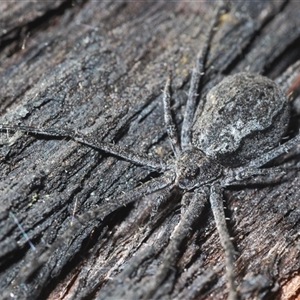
224, 142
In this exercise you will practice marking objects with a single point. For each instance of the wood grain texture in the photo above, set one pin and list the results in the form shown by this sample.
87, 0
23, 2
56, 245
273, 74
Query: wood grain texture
99, 67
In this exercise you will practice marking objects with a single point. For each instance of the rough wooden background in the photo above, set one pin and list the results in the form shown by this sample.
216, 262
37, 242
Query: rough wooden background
99, 67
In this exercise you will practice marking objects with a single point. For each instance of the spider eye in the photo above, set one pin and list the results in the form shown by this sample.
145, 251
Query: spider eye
193, 172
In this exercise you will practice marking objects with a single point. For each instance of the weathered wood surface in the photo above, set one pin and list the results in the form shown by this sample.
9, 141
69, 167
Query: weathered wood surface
99, 67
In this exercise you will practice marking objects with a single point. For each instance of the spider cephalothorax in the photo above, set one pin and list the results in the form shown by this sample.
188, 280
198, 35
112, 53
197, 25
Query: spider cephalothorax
194, 169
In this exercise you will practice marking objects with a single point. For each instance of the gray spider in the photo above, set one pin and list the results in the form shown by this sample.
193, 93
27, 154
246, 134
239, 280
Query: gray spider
225, 142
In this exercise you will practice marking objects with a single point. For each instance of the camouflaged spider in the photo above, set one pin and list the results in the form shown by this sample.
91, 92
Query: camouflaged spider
225, 142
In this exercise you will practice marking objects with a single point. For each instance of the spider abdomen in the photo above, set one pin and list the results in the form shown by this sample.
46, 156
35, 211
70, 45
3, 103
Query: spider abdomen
244, 116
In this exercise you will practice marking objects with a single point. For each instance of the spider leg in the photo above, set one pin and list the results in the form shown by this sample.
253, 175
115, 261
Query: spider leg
165, 181
120, 287
195, 288
197, 74
265, 158
169, 122
110, 148
216, 201
181, 231
254, 176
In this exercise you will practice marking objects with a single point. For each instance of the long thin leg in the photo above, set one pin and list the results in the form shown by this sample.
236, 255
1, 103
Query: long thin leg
200, 282
120, 287
216, 201
265, 158
191, 214
197, 74
169, 122
251, 176
165, 181
92, 142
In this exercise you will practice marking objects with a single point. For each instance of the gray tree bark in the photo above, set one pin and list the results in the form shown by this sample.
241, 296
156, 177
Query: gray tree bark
99, 68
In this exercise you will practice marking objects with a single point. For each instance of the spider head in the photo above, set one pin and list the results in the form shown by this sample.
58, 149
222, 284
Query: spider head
194, 169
